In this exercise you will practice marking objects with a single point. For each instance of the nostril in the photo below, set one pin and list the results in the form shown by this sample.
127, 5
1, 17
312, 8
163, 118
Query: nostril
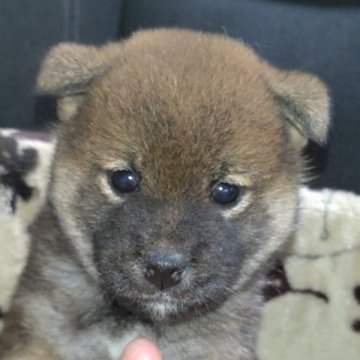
163, 278
176, 275
150, 272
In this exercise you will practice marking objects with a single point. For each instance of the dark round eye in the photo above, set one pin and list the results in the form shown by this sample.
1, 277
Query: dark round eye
124, 181
224, 193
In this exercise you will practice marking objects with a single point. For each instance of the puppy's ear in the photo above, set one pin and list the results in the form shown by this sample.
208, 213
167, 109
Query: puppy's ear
68, 71
304, 104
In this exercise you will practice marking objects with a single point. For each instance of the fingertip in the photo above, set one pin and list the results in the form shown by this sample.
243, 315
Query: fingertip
141, 349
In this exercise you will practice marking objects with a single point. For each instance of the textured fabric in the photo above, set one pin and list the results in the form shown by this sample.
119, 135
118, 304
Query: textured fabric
313, 306
24, 167
313, 295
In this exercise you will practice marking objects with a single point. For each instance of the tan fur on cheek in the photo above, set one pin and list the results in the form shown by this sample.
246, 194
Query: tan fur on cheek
106, 189
64, 184
103, 181
245, 199
240, 207
283, 212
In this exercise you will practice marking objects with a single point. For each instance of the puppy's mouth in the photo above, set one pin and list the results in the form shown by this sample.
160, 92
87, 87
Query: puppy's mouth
155, 308
169, 309
171, 305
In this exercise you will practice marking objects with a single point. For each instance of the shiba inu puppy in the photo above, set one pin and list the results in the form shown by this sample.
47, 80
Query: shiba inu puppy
174, 184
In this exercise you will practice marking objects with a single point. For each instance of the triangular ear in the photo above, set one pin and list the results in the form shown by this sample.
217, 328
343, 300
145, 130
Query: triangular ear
68, 71
303, 102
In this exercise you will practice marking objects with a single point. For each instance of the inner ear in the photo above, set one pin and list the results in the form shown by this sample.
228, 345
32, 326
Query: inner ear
303, 103
69, 105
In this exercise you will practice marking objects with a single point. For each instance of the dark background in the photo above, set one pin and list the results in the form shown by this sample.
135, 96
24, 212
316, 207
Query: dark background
322, 37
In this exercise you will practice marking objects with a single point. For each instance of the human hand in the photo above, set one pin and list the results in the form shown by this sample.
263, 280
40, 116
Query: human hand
141, 349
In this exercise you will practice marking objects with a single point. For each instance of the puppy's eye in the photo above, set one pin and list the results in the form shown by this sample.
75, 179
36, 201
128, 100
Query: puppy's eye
124, 181
225, 193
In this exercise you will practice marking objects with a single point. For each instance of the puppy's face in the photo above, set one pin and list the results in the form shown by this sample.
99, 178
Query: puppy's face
178, 164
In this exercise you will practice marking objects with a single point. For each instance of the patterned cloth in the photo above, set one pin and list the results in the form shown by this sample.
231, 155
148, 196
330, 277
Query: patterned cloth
312, 297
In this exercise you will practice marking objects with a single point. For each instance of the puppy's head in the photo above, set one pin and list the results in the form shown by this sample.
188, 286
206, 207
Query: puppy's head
177, 164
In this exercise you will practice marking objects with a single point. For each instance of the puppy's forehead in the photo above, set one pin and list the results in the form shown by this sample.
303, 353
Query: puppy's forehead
185, 108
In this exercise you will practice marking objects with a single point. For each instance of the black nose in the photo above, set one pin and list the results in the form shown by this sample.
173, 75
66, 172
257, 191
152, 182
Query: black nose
164, 270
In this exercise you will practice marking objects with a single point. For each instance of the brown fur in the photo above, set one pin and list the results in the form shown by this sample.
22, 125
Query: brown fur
185, 109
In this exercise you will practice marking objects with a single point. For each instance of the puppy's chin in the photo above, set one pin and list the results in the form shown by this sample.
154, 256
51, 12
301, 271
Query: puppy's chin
164, 307
159, 309
162, 310
171, 310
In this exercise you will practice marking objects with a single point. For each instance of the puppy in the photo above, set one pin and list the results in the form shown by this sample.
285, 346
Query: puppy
174, 184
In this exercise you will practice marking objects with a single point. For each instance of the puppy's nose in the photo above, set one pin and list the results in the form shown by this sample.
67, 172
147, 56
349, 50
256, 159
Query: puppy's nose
164, 270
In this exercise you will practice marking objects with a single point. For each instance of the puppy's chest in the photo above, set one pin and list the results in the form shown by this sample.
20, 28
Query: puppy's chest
83, 334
